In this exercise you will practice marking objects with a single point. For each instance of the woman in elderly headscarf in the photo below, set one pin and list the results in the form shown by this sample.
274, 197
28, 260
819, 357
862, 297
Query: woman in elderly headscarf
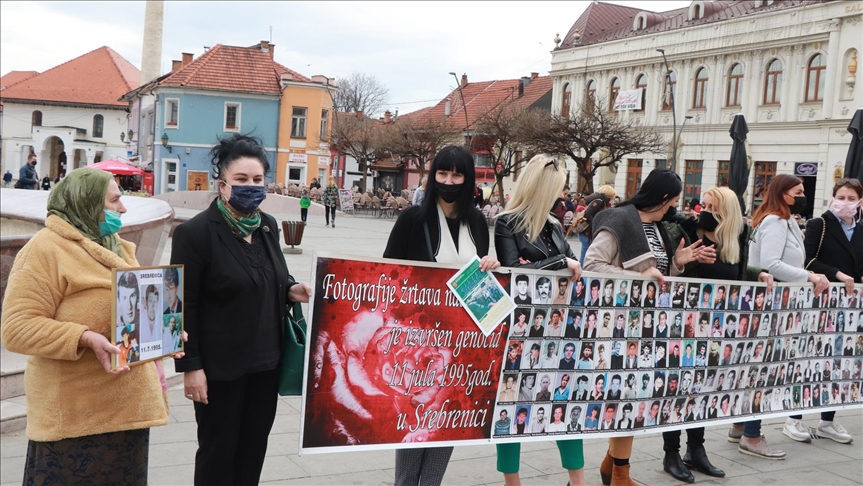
87, 423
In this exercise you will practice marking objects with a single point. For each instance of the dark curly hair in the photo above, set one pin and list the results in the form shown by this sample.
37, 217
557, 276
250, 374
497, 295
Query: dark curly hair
234, 147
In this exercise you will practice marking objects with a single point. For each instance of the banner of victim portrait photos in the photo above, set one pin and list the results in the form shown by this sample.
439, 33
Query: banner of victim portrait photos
394, 360
147, 313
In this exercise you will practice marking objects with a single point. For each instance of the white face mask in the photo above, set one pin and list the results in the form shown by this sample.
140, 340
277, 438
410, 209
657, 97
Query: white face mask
844, 209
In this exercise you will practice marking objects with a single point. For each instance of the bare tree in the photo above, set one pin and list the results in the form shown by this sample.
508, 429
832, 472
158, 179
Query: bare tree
358, 136
418, 141
592, 137
360, 92
498, 131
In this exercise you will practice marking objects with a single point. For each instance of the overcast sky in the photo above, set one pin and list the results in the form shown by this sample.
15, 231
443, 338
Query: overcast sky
409, 46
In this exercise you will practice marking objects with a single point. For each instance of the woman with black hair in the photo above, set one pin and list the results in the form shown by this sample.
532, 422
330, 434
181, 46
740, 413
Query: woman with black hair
237, 286
632, 239
445, 228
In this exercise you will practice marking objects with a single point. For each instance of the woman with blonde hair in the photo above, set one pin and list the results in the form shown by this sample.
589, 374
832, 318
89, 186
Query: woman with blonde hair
528, 235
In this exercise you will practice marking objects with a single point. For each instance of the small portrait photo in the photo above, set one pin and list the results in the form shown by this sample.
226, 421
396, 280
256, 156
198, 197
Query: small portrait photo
704, 327
720, 299
701, 353
793, 351
561, 294
686, 381
543, 294
641, 413
636, 296
513, 356
676, 321
678, 410
569, 355
625, 417
826, 343
630, 386
585, 360
688, 358
838, 348
710, 381
645, 359
527, 387
151, 317
747, 329
594, 292
549, 358
579, 293
858, 366
574, 320
507, 392
736, 403
764, 375
796, 396
617, 354
721, 382
692, 295
840, 321
658, 384
172, 333
521, 421
673, 352
758, 352
665, 413
792, 298
678, 297
522, 322
590, 331
581, 389
759, 303
834, 300
673, 378
575, 422
127, 341
725, 405
854, 392
769, 401
503, 424
645, 385
786, 319
701, 407
603, 356
562, 390
706, 299
522, 292
762, 325
543, 392
621, 296
729, 328
716, 327
660, 355
787, 403
653, 413
537, 328
650, 295
742, 378
558, 419
532, 359
746, 295
804, 299
713, 407
630, 361
591, 420
660, 325
615, 382
806, 396
757, 403
609, 417
607, 299
690, 325
733, 298
605, 325
664, 299
698, 381
173, 286
713, 355
649, 321
738, 353
731, 379
632, 326
556, 320
597, 392
128, 297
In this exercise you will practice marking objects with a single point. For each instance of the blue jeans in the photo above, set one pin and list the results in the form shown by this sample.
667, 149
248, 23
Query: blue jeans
751, 429
585, 242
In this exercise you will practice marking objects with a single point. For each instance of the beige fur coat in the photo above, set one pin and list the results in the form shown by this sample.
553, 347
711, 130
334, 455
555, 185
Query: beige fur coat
59, 287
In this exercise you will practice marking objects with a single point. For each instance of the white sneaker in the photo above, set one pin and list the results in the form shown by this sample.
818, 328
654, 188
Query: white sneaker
797, 431
836, 432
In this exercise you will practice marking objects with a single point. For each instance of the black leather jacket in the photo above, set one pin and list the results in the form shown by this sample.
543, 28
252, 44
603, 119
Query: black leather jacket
511, 245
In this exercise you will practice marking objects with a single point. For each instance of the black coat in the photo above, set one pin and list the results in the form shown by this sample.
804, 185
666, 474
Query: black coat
837, 253
221, 305
511, 245
408, 237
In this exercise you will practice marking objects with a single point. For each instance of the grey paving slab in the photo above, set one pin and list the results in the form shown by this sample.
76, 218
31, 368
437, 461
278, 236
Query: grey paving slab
852, 470
280, 468
13, 445
12, 470
369, 478
171, 475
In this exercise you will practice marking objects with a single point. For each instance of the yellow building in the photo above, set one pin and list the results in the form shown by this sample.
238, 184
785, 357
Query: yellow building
305, 117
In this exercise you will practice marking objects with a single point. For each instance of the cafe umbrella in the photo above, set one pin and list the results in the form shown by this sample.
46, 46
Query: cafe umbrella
738, 166
854, 159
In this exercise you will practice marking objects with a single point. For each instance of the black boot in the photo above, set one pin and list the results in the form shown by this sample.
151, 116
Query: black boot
696, 458
674, 466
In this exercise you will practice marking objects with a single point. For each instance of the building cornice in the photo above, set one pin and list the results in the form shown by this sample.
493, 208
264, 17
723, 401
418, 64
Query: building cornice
66, 104
169, 90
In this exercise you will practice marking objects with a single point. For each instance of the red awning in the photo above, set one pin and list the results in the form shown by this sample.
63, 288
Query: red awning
117, 167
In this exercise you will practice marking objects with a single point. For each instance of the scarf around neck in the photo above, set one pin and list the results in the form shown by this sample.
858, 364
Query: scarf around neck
241, 226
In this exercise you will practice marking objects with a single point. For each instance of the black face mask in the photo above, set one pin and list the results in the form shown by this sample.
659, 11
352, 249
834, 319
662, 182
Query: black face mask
669, 214
448, 192
799, 205
707, 221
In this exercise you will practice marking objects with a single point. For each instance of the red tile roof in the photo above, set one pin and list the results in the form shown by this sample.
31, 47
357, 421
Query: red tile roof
603, 22
481, 97
96, 78
15, 77
231, 68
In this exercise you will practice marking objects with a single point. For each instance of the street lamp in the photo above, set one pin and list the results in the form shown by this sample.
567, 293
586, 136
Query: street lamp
165, 143
464, 107
673, 110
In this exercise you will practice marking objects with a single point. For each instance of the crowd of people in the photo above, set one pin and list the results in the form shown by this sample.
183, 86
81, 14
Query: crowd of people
57, 305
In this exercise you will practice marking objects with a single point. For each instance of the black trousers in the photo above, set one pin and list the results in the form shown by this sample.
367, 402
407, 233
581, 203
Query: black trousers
304, 213
671, 440
233, 429
327, 211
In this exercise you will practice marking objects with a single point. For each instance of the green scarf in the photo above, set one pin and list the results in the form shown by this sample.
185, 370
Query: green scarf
79, 199
242, 226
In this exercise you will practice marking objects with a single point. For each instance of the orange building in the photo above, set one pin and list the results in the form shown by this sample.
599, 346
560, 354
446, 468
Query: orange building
305, 117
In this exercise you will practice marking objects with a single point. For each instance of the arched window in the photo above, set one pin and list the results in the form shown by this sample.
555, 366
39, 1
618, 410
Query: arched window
590, 94
815, 78
735, 85
36, 119
639, 23
98, 125
699, 100
641, 83
670, 88
773, 82
696, 12
613, 92
566, 101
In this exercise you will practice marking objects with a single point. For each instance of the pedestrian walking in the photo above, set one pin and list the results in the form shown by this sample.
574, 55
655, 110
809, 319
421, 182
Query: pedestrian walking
236, 291
27, 178
446, 228
331, 200
420, 193
528, 235
7, 179
305, 203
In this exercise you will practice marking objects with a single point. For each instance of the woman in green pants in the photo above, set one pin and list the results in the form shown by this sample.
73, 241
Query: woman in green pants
528, 235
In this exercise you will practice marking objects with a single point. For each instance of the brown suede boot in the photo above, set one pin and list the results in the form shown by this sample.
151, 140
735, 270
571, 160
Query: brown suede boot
605, 469
620, 476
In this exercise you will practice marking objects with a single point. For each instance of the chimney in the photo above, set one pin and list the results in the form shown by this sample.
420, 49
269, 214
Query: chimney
446, 108
534, 75
521, 84
526, 80
464, 80
267, 47
176, 65
388, 117
187, 58
360, 114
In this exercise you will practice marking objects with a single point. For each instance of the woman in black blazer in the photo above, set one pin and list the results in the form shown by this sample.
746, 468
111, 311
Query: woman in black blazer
237, 285
445, 228
834, 247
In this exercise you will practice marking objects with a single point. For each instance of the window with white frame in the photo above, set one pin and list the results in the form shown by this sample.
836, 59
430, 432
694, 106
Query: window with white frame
298, 122
99, 126
172, 113
325, 116
232, 117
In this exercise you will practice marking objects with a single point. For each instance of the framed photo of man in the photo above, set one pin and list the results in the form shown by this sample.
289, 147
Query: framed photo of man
147, 313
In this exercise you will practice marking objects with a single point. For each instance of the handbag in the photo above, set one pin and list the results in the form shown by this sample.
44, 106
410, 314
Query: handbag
292, 364
820, 242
